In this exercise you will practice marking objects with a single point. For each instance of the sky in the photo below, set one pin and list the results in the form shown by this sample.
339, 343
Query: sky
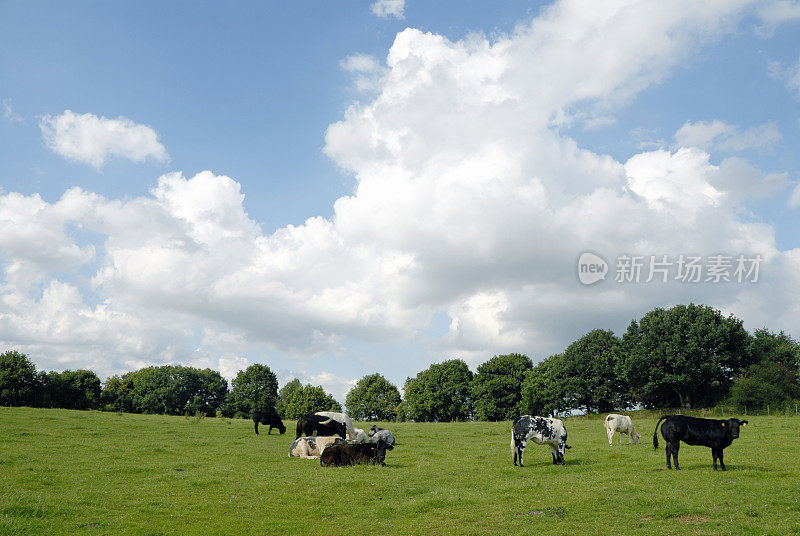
336, 189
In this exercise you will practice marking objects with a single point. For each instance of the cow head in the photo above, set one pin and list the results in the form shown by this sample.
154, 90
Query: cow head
380, 452
636, 437
733, 426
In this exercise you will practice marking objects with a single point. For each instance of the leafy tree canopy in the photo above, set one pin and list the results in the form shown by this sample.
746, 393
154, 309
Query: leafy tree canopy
255, 388
441, 393
18, 384
684, 356
373, 399
308, 399
497, 387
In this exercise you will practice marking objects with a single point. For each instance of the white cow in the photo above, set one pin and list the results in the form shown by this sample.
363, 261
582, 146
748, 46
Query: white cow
311, 447
622, 424
359, 436
342, 418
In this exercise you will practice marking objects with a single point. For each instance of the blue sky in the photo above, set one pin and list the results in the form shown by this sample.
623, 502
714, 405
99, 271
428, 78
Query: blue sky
417, 186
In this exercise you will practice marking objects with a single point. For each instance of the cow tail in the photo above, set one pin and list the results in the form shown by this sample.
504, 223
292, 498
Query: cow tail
655, 432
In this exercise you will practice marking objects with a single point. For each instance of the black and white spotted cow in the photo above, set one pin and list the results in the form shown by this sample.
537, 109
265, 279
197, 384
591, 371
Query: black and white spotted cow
541, 430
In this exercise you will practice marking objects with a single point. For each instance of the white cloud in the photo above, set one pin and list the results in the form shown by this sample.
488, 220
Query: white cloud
8, 112
469, 201
367, 70
389, 8
722, 136
772, 14
794, 199
92, 140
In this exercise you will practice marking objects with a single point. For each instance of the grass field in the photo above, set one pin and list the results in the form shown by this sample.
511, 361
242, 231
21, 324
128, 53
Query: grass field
71, 472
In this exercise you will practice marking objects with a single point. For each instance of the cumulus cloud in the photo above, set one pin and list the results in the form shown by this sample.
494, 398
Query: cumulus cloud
389, 8
92, 140
722, 136
479, 215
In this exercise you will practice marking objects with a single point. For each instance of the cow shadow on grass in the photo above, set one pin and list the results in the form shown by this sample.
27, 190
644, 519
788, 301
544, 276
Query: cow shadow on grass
694, 466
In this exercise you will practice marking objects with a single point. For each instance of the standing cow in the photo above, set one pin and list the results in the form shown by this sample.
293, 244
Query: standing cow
622, 424
269, 417
342, 418
541, 430
316, 425
712, 433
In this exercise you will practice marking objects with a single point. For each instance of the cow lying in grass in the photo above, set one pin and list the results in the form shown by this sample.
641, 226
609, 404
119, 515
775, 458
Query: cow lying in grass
359, 436
312, 447
269, 417
354, 453
622, 424
712, 433
377, 434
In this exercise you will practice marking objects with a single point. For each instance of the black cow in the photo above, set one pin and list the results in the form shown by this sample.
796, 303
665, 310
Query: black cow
712, 433
312, 424
353, 453
269, 417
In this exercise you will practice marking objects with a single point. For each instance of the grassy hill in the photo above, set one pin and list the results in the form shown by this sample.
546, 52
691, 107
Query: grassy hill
70, 472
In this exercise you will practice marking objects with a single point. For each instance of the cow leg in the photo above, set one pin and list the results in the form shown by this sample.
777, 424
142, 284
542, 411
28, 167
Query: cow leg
270, 430
721, 463
610, 434
554, 454
561, 449
675, 448
668, 448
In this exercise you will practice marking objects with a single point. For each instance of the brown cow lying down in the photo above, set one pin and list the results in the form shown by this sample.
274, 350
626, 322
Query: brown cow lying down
351, 454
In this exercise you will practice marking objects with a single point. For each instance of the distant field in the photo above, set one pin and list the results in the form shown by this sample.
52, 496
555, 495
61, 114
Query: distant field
70, 472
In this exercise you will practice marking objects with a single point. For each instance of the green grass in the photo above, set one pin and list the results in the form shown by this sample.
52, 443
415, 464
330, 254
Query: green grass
70, 472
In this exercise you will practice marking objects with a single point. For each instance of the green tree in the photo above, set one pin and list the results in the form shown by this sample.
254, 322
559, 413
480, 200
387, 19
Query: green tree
540, 393
587, 374
18, 382
440, 393
765, 384
777, 348
497, 387
286, 392
255, 388
309, 399
170, 390
772, 379
373, 399
71, 389
684, 356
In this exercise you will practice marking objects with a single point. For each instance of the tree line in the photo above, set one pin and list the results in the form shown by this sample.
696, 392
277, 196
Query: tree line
688, 356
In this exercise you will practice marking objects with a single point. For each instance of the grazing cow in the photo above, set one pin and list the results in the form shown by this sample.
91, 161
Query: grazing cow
377, 434
312, 447
541, 430
312, 424
353, 453
342, 418
269, 417
712, 433
622, 424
